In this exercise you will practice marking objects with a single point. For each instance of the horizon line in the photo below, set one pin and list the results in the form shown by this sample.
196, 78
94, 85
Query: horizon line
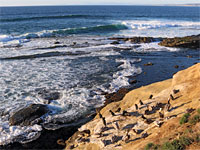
189, 5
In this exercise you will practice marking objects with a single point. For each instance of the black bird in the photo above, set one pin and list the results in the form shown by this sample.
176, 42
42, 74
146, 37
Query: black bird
136, 106
100, 115
112, 113
141, 103
144, 135
143, 117
104, 121
125, 113
118, 110
161, 115
151, 96
175, 91
171, 96
168, 102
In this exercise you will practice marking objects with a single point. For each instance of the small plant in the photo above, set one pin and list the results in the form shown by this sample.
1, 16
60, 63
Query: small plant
149, 146
185, 141
167, 146
198, 110
195, 119
177, 145
197, 138
184, 119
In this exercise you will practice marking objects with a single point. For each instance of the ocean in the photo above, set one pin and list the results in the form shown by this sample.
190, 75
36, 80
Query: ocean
66, 50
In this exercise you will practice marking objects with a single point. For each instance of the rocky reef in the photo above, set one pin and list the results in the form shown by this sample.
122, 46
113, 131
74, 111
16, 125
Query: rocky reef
192, 42
146, 117
182, 42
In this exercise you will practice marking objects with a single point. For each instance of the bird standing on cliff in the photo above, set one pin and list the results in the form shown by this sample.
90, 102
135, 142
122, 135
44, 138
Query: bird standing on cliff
136, 106
141, 103
112, 113
171, 96
161, 115
104, 121
118, 110
143, 117
144, 135
151, 96
115, 125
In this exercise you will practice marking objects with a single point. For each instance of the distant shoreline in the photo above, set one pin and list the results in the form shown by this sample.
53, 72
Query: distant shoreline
162, 5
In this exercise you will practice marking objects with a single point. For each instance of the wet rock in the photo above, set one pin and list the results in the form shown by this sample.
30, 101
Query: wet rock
148, 64
26, 116
132, 81
49, 95
137, 39
116, 96
176, 66
56, 42
182, 42
115, 42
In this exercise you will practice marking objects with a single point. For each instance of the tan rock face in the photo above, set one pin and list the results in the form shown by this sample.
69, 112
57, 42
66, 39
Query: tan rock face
134, 129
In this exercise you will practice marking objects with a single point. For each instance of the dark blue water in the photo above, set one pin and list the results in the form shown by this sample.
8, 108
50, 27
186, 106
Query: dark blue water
21, 20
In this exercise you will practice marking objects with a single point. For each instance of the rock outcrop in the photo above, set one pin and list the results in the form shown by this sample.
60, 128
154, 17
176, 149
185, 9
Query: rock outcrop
182, 42
155, 120
29, 115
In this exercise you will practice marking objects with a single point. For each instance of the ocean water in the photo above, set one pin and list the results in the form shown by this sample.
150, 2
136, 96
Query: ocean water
83, 63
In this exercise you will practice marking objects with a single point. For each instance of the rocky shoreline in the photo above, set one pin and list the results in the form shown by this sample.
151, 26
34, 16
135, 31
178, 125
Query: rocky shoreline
192, 42
55, 139
149, 114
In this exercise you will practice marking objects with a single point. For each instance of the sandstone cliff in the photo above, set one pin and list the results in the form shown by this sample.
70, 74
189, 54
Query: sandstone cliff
156, 121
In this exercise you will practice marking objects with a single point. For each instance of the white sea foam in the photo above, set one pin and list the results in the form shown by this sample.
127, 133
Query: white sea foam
120, 78
17, 133
155, 24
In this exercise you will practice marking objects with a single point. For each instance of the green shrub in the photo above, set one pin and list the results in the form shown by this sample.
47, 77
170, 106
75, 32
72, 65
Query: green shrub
198, 110
177, 145
184, 119
195, 119
149, 146
197, 138
185, 141
156, 147
167, 146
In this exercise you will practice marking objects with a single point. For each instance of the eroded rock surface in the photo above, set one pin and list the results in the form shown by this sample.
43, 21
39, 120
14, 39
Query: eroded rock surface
26, 116
182, 42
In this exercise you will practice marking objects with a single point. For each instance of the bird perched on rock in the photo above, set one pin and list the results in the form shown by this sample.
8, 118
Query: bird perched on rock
143, 117
114, 139
135, 131
151, 96
168, 102
189, 110
125, 113
158, 123
118, 110
136, 106
126, 137
115, 125
141, 103
100, 115
175, 91
167, 107
104, 121
112, 113
171, 96
161, 115
144, 135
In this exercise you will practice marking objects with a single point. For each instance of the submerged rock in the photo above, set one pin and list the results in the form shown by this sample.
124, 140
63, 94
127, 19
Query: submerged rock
26, 116
49, 95
137, 39
182, 42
